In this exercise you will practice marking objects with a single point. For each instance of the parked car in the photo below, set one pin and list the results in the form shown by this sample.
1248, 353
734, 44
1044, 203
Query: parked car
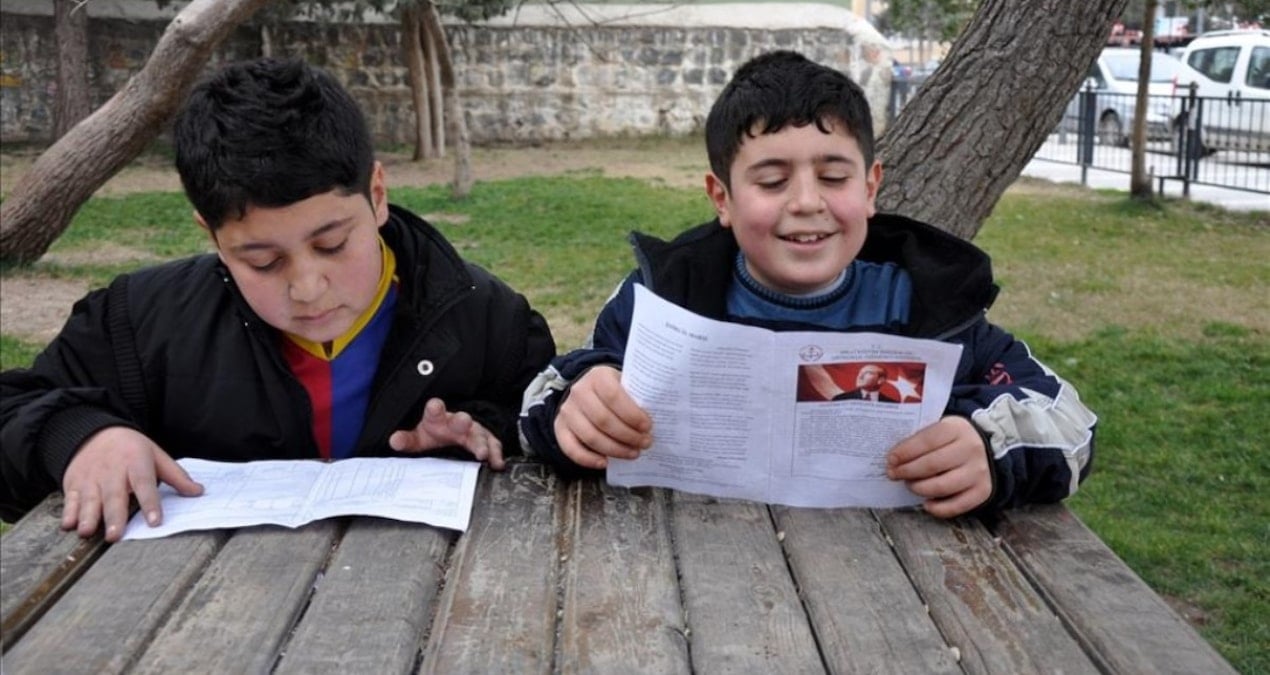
1231, 68
1114, 79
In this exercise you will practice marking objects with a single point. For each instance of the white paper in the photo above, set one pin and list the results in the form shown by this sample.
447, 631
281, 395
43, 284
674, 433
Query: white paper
294, 492
742, 412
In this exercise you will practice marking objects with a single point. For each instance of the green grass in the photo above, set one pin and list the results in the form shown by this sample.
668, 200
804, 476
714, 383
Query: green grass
1158, 314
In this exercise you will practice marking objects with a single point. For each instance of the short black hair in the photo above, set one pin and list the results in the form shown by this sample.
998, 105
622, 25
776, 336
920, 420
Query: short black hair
269, 133
782, 88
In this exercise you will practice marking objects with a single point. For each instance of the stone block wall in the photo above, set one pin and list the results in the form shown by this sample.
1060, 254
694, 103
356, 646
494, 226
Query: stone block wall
527, 78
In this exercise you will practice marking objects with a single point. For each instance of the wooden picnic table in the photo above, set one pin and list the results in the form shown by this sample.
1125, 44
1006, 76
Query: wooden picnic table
573, 577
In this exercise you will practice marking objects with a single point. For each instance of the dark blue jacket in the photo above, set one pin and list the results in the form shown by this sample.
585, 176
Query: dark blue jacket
1039, 434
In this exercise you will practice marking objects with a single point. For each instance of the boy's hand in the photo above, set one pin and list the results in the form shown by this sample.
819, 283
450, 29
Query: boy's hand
600, 420
947, 464
440, 428
113, 464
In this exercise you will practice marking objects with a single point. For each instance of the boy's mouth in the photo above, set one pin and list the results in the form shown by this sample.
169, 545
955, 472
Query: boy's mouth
804, 238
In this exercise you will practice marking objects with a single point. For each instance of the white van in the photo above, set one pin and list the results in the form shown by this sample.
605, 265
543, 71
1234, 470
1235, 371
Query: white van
1234, 66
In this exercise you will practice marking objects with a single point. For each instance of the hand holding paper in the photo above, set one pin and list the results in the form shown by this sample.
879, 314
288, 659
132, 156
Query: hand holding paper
599, 420
740, 411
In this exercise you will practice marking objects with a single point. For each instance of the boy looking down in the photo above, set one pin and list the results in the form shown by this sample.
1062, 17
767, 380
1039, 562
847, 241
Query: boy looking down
328, 324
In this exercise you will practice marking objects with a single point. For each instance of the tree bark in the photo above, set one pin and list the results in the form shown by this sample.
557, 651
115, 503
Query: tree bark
65, 175
1139, 180
416, 66
432, 57
978, 120
462, 183
72, 100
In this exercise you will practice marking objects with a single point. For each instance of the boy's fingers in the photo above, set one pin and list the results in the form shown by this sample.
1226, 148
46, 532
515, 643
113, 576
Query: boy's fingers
931, 463
114, 508
173, 474
70, 510
496, 460
89, 511
459, 425
594, 412
623, 408
604, 441
578, 453
960, 503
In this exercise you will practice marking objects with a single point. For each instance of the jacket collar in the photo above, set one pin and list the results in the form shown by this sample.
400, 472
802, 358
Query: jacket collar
952, 279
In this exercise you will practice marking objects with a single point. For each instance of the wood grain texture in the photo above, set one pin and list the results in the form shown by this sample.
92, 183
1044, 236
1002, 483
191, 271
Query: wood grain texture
497, 612
866, 614
981, 602
1117, 617
107, 619
372, 607
237, 615
621, 611
744, 613
38, 561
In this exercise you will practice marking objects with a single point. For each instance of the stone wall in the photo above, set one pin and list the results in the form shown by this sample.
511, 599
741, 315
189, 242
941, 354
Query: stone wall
574, 72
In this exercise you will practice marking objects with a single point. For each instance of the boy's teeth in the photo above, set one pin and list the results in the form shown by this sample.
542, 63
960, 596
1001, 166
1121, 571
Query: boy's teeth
804, 238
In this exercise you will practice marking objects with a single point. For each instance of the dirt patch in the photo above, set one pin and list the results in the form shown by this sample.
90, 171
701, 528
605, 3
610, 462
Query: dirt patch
34, 308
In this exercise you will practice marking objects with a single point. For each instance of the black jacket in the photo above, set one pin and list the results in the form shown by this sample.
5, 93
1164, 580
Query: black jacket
175, 352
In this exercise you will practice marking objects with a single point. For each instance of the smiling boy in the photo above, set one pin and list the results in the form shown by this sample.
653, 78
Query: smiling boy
329, 324
798, 245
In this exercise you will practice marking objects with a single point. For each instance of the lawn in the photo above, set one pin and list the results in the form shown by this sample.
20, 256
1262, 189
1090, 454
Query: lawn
1160, 315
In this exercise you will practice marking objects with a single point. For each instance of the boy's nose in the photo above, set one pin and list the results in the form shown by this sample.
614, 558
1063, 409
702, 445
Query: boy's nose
307, 285
806, 196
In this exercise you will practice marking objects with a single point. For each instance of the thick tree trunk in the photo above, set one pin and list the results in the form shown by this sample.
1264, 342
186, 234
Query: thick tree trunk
462, 184
1139, 179
73, 99
416, 66
978, 120
46, 198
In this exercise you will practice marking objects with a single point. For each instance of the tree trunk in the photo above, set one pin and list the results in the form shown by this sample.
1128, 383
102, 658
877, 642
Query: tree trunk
64, 176
72, 101
416, 66
978, 120
432, 57
462, 183
1139, 179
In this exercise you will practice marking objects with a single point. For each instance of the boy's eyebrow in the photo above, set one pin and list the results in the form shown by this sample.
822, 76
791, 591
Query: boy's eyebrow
264, 245
818, 159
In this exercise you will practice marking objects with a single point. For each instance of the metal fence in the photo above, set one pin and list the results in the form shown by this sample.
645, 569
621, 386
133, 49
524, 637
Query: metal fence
1221, 142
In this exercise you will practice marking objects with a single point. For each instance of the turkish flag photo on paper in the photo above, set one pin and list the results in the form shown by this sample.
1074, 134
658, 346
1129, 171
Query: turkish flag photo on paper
882, 381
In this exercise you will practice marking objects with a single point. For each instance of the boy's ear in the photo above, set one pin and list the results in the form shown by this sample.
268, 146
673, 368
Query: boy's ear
872, 182
718, 193
198, 218
379, 194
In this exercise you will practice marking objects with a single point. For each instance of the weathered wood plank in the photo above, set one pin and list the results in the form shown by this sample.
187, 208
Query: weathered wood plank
108, 617
38, 561
372, 606
866, 614
980, 600
1111, 610
622, 612
242, 607
743, 610
497, 612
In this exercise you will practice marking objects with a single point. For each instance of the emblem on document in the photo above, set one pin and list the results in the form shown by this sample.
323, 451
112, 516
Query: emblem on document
811, 353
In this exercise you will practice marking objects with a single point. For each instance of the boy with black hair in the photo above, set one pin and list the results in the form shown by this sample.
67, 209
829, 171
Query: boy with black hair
329, 324
798, 245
